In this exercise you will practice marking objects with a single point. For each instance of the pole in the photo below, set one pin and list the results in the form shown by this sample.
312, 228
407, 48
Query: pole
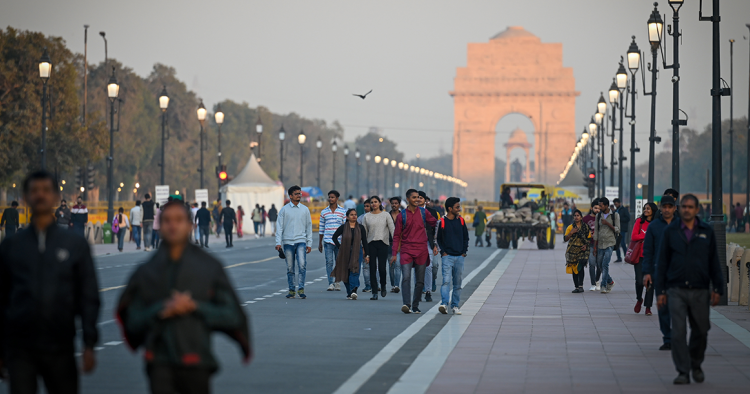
201, 170
163, 141
652, 135
747, 157
219, 154
621, 157
346, 173
85, 92
731, 127
632, 145
676, 102
612, 161
334, 172
319, 185
281, 161
356, 175
44, 124
110, 162
301, 173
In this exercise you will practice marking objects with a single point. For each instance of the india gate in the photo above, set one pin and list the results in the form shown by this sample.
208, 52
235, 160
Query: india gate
513, 73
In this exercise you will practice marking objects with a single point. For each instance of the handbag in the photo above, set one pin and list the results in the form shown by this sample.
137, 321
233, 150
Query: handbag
115, 226
568, 269
633, 255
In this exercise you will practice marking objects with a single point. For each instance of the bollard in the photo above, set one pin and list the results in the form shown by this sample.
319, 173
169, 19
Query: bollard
744, 288
98, 233
733, 270
730, 257
89, 232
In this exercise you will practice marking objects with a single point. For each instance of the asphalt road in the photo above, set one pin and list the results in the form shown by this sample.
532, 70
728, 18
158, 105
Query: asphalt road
310, 346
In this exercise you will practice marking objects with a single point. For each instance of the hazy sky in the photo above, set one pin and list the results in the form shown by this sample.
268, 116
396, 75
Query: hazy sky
310, 56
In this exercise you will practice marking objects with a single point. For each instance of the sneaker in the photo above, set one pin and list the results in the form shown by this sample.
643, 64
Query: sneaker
337, 286
610, 286
428, 297
383, 292
682, 378
291, 294
648, 311
456, 311
330, 287
593, 288
666, 346
416, 310
348, 297
138, 248
366, 290
396, 289
301, 293
406, 309
637, 308
353, 296
604, 289
392, 289
374, 297
698, 375
443, 309
618, 261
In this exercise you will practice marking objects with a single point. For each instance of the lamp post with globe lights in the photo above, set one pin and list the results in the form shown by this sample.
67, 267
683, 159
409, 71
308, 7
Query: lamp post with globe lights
319, 145
259, 131
163, 105
282, 137
676, 122
377, 159
334, 148
368, 185
219, 118
346, 169
201, 112
634, 61
301, 138
614, 95
45, 70
622, 84
655, 29
113, 91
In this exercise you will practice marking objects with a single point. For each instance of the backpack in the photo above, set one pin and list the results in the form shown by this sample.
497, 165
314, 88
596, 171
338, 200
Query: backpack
442, 222
403, 217
615, 222
115, 226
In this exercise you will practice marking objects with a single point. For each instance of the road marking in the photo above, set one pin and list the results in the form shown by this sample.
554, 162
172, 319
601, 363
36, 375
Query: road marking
249, 262
317, 280
113, 343
268, 296
111, 288
105, 322
534, 317
277, 293
730, 327
369, 369
250, 302
424, 369
259, 299
308, 283
98, 348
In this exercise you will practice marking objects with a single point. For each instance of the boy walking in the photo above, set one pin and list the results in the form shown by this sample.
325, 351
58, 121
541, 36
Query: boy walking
453, 239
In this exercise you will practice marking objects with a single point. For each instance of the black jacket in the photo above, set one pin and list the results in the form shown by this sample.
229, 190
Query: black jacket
148, 210
203, 217
42, 293
453, 236
273, 214
651, 244
10, 218
690, 264
624, 217
228, 217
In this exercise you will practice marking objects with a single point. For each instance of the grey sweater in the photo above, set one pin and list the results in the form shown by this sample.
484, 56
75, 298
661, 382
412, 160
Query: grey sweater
379, 226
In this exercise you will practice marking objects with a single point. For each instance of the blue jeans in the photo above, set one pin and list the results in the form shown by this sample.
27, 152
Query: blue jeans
595, 269
602, 259
296, 253
453, 270
665, 323
353, 282
137, 236
394, 271
155, 239
364, 269
331, 251
120, 238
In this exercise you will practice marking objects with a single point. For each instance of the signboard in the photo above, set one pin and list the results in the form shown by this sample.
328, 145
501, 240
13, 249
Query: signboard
201, 195
639, 203
161, 194
611, 192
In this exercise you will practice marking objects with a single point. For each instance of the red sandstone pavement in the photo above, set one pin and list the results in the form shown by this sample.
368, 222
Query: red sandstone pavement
533, 335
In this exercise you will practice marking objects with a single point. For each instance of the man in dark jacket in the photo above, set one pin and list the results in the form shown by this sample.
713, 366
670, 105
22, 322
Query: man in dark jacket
63, 215
453, 239
273, 214
79, 217
173, 303
203, 220
148, 220
624, 228
689, 277
228, 219
10, 219
651, 245
47, 279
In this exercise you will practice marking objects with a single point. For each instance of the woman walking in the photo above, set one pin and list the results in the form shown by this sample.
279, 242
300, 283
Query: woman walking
122, 223
577, 255
638, 235
480, 220
380, 227
353, 240
240, 215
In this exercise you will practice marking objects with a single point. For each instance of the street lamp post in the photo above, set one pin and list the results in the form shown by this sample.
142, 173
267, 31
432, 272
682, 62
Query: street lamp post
334, 148
259, 131
356, 174
614, 95
201, 119
747, 153
113, 91
634, 59
676, 34
219, 118
301, 138
319, 145
393, 172
599, 116
731, 127
346, 169
655, 28
282, 136
45, 69
368, 185
378, 159
163, 104
386, 161
622, 84
594, 146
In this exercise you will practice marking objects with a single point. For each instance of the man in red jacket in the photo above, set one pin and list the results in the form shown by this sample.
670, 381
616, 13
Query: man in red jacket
410, 240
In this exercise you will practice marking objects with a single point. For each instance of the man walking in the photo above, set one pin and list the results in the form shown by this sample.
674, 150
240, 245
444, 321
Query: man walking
480, 222
689, 277
47, 281
605, 238
173, 303
365, 270
294, 236
228, 219
351, 203
567, 215
216, 213
453, 239
273, 215
430, 273
651, 251
62, 215
257, 217
148, 221
79, 216
595, 271
203, 221
10, 219
624, 226
136, 217
414, 229
331, 218
394, 267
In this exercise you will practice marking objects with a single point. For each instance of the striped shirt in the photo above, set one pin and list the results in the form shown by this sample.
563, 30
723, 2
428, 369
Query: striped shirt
330, 221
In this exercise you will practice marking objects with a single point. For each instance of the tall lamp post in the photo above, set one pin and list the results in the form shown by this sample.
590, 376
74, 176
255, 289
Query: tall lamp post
614, 95
676, 34
356, 174
163, 104
393, 181
594, 147
731, 127
346, 169
319, 145
282, 137
219, 118
386, 161
622, 84
45, 69
378, 159
259, 131
655, 28
334, 148
113, 91
301, 138
201, 119
634, 59
747, 153
368, 185
599, 116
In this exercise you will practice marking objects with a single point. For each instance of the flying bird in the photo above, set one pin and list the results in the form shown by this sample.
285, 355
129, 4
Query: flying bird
362, 96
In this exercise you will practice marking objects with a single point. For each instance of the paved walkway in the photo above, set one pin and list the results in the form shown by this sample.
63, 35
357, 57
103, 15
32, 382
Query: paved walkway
533, 335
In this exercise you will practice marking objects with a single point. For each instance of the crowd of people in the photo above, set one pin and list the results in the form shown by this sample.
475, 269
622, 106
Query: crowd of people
675, 257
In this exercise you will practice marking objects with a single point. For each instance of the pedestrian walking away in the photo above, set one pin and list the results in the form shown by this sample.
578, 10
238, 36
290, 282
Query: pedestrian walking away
120, 225
11, 219
156, 236
480, 223
689, 278
624, 239
240, 219
263, 219
414, 229
430, 275
257, 217
228, 219
364, 265
294, 236
273, 215
350, 203
353, 243
196, 232
651, 250
566, 215
605, 238
379, 226
331, 218
453, 240
394, 268
148, 221
578, 236
62, 215
173, 303
203, 220
136, 216
639, 235
48, 292
595, 270
216, 213
79, 216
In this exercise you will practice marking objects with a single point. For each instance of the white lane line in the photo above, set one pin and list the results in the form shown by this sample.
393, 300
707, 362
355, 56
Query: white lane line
317, 280
730, 327
283, 290
277, 293
366, 371
250, 302
259, 299
534, 317
113, 343
268, 296
249, 262
98, 348
308, 283
105, 322
424, 369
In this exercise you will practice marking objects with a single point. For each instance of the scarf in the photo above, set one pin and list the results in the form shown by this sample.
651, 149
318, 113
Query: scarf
348, 257
578, 245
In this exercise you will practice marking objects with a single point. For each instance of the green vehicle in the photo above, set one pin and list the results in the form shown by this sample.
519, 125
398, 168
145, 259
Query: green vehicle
520, 217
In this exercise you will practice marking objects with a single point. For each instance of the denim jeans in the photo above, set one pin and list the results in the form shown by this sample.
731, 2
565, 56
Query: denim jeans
406, 270
429, 275
353, 283
364, 269
155, 239
296, 253
148, 229
394, 271
137, 236
256, 227
453, 271
203, 235
665, 323
595, 269
120, 238
602, 260
691, 305
331, 251
197, 233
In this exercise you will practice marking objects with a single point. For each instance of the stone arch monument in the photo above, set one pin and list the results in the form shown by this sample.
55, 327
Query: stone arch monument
512, 73
518, 140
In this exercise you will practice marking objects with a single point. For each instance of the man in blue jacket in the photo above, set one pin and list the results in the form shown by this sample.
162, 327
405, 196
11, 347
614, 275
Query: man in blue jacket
453, 239
688, 278
624, 227
650, 259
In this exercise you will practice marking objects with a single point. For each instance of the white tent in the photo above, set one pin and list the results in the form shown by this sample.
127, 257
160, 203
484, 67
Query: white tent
253, 186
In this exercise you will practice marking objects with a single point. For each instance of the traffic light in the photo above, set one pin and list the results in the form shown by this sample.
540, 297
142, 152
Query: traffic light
591, 182
79, 177
222, 174
90, 175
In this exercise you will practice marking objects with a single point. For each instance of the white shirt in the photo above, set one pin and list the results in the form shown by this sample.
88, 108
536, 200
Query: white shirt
136, 215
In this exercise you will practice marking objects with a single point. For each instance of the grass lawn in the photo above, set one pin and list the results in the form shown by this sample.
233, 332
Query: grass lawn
742, 239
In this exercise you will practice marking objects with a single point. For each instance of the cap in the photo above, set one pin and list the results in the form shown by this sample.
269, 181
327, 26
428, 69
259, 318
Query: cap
667, 200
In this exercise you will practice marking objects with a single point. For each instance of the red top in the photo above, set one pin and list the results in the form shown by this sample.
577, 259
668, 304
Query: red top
639, 232
413, 239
